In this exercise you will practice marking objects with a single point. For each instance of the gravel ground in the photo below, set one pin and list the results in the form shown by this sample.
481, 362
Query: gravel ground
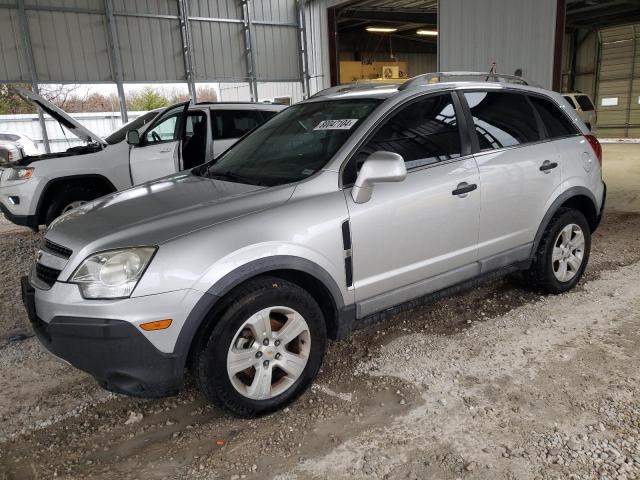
494, 383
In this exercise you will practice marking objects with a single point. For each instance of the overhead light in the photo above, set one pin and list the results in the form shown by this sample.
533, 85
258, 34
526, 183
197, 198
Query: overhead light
381, 29
431, 33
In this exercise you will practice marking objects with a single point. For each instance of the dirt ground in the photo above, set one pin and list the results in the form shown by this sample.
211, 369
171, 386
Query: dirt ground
494, 383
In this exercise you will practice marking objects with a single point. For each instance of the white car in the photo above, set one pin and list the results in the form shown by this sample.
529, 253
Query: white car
39, 188
23, 142
583, 105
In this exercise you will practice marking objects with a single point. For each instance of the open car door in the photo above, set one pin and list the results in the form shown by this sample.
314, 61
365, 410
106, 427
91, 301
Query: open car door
159, 151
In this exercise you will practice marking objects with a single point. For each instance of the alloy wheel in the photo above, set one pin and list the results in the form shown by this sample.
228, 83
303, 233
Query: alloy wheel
568, 252
269, 352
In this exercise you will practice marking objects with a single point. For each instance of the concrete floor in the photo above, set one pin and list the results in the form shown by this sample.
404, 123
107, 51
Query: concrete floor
621, 168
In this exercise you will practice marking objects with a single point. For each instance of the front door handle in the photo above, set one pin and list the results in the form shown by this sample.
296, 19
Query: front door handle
166, 150
464, 188
547, 166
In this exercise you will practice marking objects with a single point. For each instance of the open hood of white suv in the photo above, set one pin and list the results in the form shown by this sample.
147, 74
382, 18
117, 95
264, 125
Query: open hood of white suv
65, 120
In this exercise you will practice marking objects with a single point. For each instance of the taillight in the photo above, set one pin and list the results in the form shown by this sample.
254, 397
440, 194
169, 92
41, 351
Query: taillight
595, 144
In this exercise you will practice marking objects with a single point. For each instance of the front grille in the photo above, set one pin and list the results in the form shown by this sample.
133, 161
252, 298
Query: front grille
56, 249
46, 274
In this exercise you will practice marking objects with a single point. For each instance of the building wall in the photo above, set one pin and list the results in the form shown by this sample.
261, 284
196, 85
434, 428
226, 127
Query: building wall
513, 33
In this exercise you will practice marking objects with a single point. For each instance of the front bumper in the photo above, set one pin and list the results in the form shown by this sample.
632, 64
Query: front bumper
114, 352
30, 221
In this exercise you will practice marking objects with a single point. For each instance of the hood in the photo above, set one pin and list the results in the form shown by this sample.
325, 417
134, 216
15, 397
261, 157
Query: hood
155, 212
65, 120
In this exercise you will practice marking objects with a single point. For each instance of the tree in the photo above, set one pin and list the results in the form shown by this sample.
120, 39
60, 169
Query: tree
12, 103
146, 99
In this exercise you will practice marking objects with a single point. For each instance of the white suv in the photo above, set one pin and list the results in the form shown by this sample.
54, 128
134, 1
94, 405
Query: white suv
38, 188
355, 203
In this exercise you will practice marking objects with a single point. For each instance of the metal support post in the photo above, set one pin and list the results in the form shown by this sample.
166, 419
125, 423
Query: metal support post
26, 39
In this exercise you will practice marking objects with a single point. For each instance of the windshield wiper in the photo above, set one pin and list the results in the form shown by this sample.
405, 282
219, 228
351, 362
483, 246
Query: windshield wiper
233, 177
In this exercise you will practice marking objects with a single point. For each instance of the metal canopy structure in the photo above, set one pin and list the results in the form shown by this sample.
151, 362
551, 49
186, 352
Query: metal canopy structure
124, 41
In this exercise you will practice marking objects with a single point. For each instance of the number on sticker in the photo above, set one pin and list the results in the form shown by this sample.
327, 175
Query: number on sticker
340, 124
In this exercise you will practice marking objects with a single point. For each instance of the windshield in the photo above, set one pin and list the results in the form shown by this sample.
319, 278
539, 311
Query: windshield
119, 135
293, 145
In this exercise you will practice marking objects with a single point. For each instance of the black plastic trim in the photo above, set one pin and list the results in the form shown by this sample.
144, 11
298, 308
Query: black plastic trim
562, 198
30, 221
114, 352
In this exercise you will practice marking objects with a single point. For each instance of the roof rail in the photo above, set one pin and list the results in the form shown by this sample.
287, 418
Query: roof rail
439, 77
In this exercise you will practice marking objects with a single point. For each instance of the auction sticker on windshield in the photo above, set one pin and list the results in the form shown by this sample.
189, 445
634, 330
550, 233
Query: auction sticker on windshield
338, 124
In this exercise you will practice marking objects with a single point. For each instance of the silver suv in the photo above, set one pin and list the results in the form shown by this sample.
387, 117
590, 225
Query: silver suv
338, 210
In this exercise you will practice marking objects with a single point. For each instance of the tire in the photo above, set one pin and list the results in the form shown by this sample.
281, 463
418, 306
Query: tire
545, 273
65, 198
234, 333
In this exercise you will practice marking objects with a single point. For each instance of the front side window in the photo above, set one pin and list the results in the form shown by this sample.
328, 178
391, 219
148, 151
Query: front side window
229, 124
424, 132
556, 123
120, 134
502, 119
166, 128
293, 145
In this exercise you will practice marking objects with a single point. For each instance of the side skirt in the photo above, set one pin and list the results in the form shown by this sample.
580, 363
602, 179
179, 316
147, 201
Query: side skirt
439, 294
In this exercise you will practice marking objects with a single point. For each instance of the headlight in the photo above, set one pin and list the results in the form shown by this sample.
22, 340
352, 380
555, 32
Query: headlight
20, 173
112, 274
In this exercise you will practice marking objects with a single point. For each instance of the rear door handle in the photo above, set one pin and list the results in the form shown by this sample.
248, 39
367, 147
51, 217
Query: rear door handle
547, 166
463, 188
166, 150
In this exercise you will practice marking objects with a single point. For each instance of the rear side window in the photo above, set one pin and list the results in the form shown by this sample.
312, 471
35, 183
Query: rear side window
424, 132
556, 123
502, 119
570, 100
584, 102
229, 124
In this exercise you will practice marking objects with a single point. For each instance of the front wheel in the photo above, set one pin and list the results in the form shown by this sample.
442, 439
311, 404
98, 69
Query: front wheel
68, 199
264, 350
563, 252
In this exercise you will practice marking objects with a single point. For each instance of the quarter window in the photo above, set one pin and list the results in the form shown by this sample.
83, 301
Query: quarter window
556, 122
502, 119
424, 132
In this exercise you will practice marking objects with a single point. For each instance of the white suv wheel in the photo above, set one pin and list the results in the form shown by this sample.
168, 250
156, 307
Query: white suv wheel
269, 352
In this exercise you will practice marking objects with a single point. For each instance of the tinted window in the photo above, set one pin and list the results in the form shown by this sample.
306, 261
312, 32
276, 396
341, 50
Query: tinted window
293, 145
502, 119
584, 102
423, 132
9, 137
234, 123
556, 123
570, 100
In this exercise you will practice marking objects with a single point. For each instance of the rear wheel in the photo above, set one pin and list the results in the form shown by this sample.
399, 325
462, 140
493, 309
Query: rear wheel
264, 350
563, 252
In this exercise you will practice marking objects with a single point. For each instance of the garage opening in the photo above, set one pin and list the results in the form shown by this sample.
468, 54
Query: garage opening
383, 41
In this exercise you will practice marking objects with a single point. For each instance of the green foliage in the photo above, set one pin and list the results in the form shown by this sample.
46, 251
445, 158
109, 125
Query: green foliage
11, 103
146, 99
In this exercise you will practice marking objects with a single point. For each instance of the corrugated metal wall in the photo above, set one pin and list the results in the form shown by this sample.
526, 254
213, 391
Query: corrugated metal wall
513, 33
618, 97
70, 41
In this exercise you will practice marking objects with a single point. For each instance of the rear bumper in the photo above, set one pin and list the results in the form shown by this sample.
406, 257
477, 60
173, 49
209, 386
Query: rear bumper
30, 221
114, 352
601, 212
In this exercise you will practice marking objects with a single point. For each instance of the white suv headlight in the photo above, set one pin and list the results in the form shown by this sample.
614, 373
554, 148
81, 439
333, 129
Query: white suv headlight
20, 173
112, 274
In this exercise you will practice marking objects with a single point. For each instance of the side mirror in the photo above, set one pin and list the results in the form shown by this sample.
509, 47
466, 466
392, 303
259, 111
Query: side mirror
379, 167
133, 137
